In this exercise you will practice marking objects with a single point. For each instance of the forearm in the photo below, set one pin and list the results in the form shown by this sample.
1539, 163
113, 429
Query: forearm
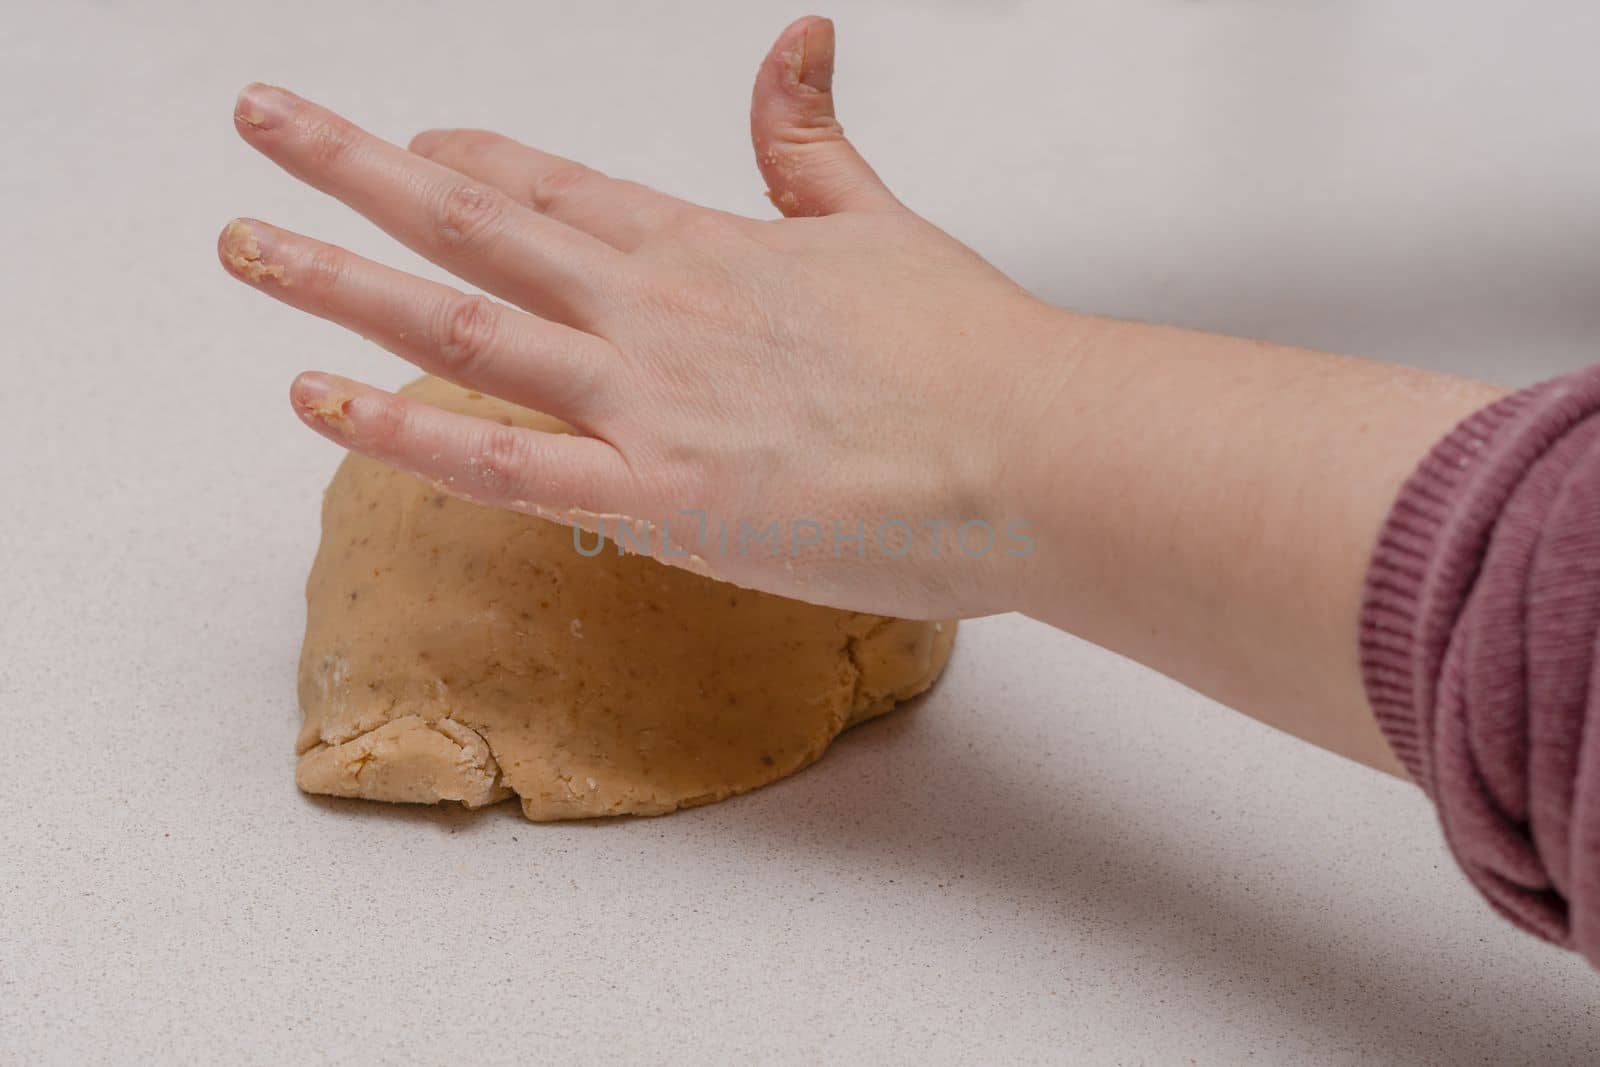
1208, 507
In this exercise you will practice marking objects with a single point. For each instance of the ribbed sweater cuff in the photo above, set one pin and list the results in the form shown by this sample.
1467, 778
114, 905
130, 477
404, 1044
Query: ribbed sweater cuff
1422, 566
1479, 650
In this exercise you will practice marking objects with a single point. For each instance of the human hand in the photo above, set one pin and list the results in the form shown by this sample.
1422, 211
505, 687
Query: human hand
848, 369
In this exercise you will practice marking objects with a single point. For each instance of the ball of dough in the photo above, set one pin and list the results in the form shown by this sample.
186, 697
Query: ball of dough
458, 652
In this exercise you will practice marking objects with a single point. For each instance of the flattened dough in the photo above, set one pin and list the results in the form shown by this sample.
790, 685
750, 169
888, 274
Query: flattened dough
457, 652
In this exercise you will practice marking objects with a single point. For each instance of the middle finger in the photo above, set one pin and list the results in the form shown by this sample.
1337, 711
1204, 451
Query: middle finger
474, 231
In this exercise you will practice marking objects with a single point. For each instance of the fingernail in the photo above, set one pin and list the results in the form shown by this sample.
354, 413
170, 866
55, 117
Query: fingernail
318, 398
242, 249
816, 56
262, 107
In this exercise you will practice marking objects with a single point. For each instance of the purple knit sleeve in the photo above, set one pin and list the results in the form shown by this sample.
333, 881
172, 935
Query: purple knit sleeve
1480, 647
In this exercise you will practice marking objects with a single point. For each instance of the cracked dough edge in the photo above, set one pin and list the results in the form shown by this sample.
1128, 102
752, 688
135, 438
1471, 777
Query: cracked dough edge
412, 760
409, 760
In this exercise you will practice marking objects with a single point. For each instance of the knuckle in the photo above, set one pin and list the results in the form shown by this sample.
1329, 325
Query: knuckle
501, 461
467, 214
470, 327
328, 140
325, 269
384, 422
810, 128
549, 189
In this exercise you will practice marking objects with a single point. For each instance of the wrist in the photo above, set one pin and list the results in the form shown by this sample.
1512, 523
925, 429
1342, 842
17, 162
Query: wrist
1041, 421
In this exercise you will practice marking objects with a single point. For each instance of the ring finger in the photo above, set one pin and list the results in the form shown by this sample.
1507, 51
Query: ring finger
469, 340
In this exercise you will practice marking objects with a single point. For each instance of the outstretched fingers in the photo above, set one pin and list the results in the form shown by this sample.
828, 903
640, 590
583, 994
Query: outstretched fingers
470, 340
466, 226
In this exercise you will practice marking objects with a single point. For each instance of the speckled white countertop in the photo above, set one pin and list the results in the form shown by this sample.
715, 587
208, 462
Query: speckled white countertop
1054, 857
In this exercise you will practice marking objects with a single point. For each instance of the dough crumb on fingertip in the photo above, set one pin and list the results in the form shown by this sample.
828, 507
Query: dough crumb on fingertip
332, 408
243, 253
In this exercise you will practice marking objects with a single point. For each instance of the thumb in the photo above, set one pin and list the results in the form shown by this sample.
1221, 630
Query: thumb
809, 167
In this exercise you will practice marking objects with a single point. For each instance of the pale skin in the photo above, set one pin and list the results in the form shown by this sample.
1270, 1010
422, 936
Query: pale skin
1203, 504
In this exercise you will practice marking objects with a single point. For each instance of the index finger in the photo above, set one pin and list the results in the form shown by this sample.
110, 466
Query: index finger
471, 229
